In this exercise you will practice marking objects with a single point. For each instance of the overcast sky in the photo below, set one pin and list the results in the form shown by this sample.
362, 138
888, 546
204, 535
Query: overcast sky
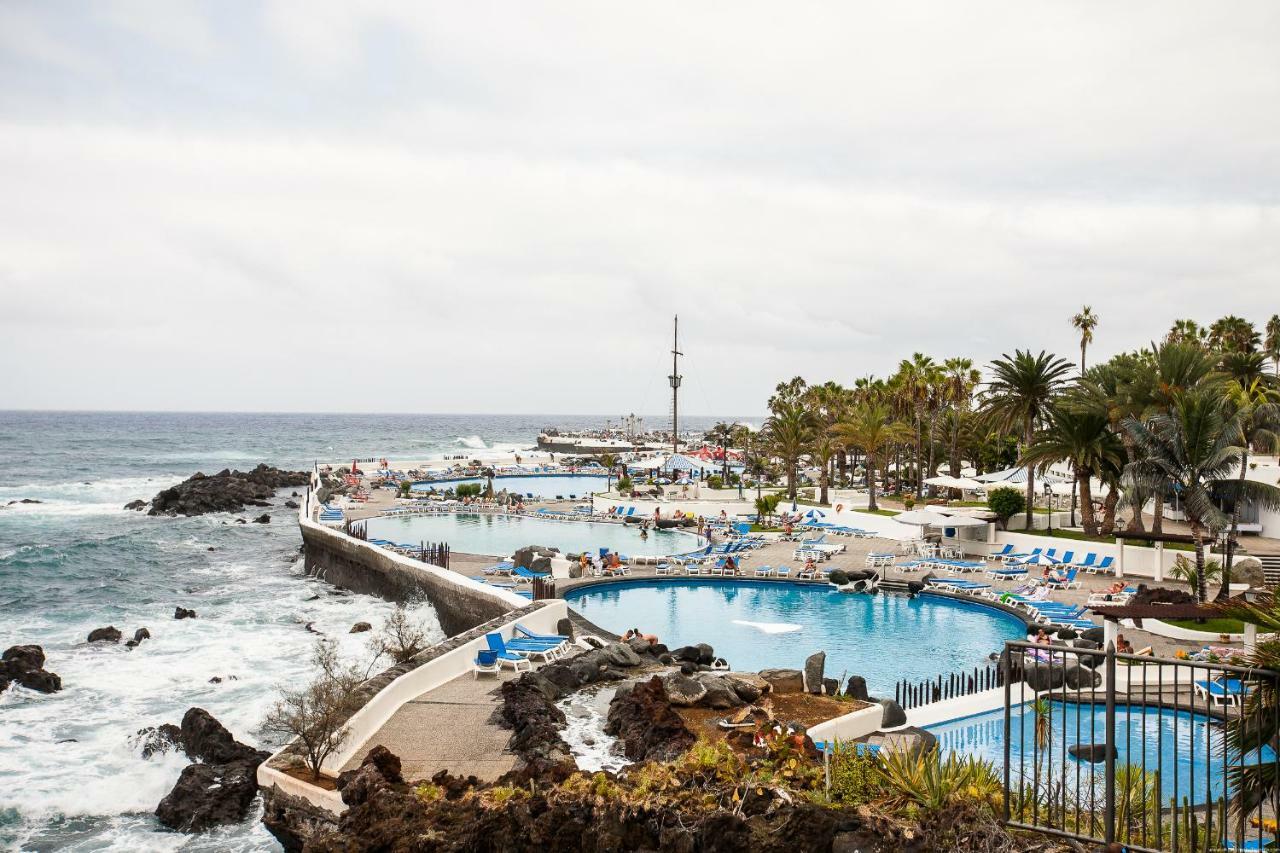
497, 207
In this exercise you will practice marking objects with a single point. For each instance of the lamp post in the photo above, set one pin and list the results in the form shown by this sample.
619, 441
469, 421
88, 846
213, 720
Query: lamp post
1048, 494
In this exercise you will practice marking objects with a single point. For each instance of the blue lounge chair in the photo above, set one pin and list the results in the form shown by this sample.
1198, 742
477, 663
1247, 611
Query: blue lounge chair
783, 571
540, 648
526, 634
486, 661
1107, 564
1006, 551
514, 661
1087, 562
1223, 691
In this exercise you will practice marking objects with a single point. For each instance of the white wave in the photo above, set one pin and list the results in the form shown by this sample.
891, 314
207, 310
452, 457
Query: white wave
584, 733
770, 627
50, 506
473, 441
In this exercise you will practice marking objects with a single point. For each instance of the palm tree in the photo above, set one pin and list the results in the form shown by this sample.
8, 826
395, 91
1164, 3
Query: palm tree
870, 428
1192, 448
915, 377
1271, 344
1082, 438
1187, 332
1085, 321
608, 460
789, 433
1019, 394
1257, 415
722, 434
1233, 334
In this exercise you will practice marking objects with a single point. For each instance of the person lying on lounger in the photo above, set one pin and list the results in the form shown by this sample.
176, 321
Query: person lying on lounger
634, 634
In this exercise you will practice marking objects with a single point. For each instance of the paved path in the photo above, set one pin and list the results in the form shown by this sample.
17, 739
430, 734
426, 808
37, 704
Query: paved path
450, 728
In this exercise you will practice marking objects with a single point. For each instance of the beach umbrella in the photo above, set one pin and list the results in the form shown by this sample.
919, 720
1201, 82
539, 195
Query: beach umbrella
815, 513
921, 517
963, 521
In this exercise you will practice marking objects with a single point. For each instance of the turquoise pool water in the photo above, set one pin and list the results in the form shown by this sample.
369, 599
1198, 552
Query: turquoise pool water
476, 533
1185, 748
540, 486
758, 624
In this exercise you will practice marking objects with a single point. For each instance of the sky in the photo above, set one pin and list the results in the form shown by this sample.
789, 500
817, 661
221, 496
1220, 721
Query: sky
300, 205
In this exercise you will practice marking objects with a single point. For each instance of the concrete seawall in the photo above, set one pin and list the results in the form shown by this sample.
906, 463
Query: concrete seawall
459, 602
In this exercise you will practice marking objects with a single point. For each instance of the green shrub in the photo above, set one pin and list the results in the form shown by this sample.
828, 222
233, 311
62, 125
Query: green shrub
930, 781
715, 482
624, 485
855, 778
1185, 570
468, 490
1006, 502
405, 487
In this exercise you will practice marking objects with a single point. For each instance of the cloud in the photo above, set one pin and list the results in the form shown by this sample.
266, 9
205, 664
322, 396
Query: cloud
499, 208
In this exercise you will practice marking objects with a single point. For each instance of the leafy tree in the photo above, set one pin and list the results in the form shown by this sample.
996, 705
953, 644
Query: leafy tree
960, 378
1005, 502
1192, 448
1271, 345
1085, 322
316, 715
870, 428
789, 432
608, 460
401, 637
1020, 393
1256, 410
1082, 438
722, 434
1233, 334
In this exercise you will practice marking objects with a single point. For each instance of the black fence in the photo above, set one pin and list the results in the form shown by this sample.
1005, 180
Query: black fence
1152, 754
435, 553
913, 694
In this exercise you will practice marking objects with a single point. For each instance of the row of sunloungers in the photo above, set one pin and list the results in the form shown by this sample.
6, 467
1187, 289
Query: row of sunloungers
1041, 609
817, 549
834, 529
1088, 563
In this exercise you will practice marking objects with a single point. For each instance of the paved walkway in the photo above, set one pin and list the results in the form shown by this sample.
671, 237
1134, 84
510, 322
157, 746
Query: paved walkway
450, 728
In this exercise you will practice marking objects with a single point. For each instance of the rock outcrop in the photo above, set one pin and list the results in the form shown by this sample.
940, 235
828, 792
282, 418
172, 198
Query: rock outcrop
226, 491
644, 720
24, 665
109, 634
217, 790
183, 613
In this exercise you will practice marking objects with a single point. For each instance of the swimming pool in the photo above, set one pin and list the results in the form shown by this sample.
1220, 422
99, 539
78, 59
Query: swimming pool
501, 535
760, 624
538, 485
1185, 748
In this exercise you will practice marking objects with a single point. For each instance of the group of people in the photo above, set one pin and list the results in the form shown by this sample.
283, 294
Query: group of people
607, 564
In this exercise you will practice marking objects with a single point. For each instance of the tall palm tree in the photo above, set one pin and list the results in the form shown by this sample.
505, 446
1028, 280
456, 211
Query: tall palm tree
1193, 448
608, 460
789, 433
1233, 334
1085, 322
1257, 415
960, 378
1271, 344
1084, 439
722, 434
1019, 394
825, 402
870, 427
1187, 332
914, 378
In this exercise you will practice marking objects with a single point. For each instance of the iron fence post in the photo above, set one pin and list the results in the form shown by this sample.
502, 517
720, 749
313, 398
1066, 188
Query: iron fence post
1008, 727
1109, 787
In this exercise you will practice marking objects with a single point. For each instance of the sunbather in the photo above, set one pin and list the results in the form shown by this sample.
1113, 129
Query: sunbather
1123, 646
634, 634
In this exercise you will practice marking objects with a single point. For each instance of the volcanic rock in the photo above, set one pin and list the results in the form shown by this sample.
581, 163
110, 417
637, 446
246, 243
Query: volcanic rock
647, 725
217, 791
784, 680
226, 491
360, 628
857, 688
109, 634
621, 654
1081, 677
291, 504
683, 690
25, 501
137, 505
1091, 752
1041, 676
893, 716
813, 669
524, 557
747, 685
183, 613
706, 654
262, 519
720, 694
689, 653
24, 665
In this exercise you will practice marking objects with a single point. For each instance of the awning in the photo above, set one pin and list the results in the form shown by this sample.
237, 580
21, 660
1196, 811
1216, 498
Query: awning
922, 518
947, 482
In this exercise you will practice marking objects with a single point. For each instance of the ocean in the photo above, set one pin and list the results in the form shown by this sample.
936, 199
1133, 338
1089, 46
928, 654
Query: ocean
71, 775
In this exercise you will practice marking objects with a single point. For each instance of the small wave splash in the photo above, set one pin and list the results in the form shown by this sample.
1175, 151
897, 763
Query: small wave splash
475, 442
770, 627
591, 748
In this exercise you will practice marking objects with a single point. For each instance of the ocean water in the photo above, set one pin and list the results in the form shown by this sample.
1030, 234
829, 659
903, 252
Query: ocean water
70, 776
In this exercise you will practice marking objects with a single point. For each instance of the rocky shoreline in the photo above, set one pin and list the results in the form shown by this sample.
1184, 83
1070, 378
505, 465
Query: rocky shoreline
226, 491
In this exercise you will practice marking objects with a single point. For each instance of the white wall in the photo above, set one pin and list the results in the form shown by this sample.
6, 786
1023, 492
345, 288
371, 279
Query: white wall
851, 726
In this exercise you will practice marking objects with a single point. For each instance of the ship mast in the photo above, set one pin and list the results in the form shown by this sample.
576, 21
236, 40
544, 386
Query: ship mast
675, 387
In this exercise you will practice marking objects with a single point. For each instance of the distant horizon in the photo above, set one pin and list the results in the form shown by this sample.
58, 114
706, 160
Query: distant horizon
646, 418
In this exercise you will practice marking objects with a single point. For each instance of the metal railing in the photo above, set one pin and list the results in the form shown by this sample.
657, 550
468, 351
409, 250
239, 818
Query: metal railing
1154, 754
914, 694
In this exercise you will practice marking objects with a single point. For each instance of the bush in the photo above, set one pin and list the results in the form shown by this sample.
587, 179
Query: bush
854, 777
909, 502
1006, 502
468, 490
624, 485
405, 487
1185, 570
714, 482
734, 479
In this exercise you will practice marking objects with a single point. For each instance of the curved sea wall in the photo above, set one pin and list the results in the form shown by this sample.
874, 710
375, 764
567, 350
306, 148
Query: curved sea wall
460, 603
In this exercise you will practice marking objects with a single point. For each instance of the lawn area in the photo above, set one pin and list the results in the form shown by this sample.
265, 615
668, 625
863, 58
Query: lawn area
1080, 536
1209, 626
888, 512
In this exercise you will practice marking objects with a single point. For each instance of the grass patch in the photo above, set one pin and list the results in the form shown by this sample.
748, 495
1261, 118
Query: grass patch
1080, 535
888, 512
1209, 626
760, 528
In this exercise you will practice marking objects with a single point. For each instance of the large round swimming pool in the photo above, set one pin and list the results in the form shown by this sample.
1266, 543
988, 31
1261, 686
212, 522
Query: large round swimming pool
759, 624
568, 486
502, 535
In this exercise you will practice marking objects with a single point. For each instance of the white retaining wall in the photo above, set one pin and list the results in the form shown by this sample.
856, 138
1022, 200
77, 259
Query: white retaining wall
851, 726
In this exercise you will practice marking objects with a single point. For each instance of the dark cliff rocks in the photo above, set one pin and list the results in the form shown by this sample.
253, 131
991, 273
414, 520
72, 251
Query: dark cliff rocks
649, 728
24, 665
226, 491
216, 790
